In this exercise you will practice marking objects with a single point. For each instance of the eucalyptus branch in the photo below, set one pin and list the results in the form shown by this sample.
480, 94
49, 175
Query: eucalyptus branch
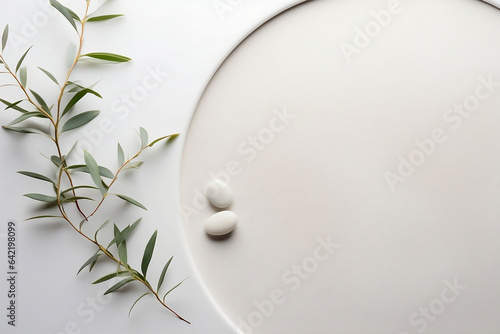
62, 122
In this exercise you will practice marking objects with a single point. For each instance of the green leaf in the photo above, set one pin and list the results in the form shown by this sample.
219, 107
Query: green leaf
42, 102
163, 273
93, 264
122, 252
84, 169
79, 120
103, 17
90, 262
78, 87
81, 223
77, 97
122, 236
78, 187
42, 198
175, 287
144, 137
100, 228
36, 176
170, 138
42, 217
66, 12
78, 198
13, 106
5, 37
121, 155
26, 116
56, 160
119, 285
23, 75
131, 200
25, 130
94, 172
133, 165
74, 15
148, 253
110, 276
20, 62
51, 77
111, 57
147, 293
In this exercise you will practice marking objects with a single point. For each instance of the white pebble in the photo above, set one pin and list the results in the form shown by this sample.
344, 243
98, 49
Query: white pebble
221, 223
218, 193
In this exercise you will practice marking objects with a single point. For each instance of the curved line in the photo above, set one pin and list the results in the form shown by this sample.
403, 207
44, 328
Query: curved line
218, 309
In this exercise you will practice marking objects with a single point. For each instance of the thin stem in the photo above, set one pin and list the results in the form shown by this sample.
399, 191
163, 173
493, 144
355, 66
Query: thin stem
59, 100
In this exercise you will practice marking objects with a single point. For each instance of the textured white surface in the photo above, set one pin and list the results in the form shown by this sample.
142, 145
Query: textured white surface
323, 245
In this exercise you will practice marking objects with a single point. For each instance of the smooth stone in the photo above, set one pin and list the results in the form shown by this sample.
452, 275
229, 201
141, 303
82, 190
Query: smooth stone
218, 193
221, 223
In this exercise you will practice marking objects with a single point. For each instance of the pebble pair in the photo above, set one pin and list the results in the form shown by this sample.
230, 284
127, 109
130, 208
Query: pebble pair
220, 195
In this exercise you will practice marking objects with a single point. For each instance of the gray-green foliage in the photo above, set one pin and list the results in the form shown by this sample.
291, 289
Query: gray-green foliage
52, 120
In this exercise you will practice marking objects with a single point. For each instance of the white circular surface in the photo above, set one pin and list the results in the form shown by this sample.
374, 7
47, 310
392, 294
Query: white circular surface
306, 139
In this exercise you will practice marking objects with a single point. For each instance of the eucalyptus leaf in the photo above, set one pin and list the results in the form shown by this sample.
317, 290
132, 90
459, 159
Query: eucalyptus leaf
74, 15
92, 264
77, 97
40, 100
43, 217
133, 165
170, 138
66, 12
163, 273
100, 228
121, 155
105, 172
42, 198
5, 36
119, 285
20, 62
110, 276
175, 287
131, 201
103, 17
50, 75
37, 176
13, 106
79, 120
94, 172
148, 253
122, 236
56, 160
144, 295
25, 130
122, 253
144, 137
78, 198
92, 259
109, 57
26, 116
23, 76
78, 187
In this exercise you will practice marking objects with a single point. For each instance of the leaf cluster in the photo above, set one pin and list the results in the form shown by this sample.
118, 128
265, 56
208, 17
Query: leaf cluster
36, 116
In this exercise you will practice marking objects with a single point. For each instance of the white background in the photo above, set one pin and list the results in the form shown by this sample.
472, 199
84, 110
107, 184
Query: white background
189, 40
